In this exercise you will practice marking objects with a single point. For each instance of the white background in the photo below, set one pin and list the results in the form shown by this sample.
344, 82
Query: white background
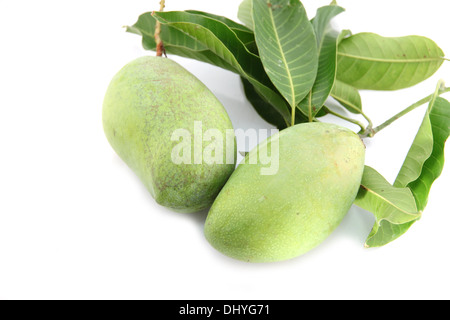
76, 223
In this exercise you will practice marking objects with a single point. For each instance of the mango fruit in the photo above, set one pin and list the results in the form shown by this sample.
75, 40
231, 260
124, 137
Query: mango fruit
268, 218
145, 104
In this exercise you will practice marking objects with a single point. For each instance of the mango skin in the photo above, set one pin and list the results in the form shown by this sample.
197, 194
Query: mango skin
259, 218
145, 102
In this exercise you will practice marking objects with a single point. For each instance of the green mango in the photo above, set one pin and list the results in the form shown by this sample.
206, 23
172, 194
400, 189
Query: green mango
146, 103
268, 218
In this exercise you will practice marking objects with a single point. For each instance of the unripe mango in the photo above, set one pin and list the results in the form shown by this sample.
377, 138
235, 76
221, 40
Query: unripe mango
146, 102
267, 218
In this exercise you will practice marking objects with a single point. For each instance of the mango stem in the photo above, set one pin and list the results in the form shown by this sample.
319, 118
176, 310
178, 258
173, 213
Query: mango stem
159, 43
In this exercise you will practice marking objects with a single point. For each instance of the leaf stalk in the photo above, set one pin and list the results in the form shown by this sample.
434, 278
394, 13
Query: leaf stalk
293, 117
338, 115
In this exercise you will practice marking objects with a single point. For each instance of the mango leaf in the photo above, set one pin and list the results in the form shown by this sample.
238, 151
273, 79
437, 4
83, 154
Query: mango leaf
347, 96
245, 34
178, 43
423, 165
344, 35
222, 41
425, 160
230, 23
245, 14
262, 107
321, 22
287, 46
394, 208
370, 61
175, 42
327, 39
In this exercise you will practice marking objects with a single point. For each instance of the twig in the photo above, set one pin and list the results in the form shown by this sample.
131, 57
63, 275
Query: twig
409, 109
159, 43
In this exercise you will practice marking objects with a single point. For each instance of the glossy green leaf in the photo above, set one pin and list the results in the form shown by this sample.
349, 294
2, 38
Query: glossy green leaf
425, 160
370, 61
245, 14
322, 20
418, 154
394, 208
244, 34
423, 165
287, 46
262, 107
175, 42
347, 96
327, 39
230, 23
386, 232
267, 110
217, 37
344, 35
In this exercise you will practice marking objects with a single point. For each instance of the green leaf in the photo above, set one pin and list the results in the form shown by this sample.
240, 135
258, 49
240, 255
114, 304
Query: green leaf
344, 35
262, 107
245, 13
175, 42
244, 34
394, 208
370, 61
347, 96
230, 23
408, 197
322, 20
386, 232
327, 39
425, 160
287, 46
217, 37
